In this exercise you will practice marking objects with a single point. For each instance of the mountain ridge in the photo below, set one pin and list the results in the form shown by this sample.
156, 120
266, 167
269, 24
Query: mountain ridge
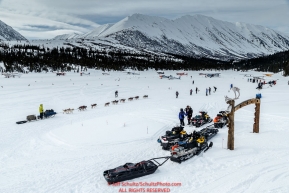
7, 33
197, 36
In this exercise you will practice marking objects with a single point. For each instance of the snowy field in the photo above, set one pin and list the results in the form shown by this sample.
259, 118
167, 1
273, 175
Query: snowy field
68, 153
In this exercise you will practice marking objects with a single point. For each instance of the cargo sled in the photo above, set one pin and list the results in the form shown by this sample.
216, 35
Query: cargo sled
130, 171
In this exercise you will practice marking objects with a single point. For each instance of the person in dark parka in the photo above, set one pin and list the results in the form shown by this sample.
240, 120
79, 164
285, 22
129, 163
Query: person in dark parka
189, 112
182, 115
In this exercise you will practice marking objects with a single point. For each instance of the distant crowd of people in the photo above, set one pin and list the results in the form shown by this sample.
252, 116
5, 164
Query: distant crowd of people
208, 91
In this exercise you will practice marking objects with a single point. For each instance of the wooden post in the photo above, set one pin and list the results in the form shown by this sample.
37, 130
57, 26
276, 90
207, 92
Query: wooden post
230, 143
257, 116
257, 102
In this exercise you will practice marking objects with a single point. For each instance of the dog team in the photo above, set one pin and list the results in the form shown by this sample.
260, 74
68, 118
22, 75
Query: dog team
115, 102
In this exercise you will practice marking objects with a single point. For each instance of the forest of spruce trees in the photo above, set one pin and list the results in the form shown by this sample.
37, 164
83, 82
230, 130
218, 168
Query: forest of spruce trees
38, 59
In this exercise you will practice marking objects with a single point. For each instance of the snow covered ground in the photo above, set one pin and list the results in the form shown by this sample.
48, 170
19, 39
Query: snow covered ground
68, 153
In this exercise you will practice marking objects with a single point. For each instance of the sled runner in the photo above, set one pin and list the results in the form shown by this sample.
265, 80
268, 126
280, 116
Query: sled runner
21, 122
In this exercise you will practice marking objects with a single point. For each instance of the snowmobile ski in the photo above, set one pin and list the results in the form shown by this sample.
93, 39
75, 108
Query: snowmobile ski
210, 146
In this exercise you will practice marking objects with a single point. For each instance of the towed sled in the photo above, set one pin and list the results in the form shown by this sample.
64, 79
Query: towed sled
47, 114
130, 171
201, 119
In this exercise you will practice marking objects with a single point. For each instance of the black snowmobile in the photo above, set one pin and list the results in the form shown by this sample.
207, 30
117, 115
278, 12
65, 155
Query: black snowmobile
209, 132
172, 137
201, 119
221, 119
186, 150
193, 145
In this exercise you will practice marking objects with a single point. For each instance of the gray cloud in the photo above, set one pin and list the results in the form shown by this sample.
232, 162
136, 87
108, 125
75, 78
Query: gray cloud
57, 16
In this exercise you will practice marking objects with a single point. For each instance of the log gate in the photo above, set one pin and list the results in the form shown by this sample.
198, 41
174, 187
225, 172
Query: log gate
257, 102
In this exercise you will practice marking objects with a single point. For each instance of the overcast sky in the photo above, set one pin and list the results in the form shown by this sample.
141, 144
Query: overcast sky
44, 19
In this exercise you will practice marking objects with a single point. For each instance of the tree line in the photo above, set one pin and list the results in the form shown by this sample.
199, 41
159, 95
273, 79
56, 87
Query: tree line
38, 58
272, 63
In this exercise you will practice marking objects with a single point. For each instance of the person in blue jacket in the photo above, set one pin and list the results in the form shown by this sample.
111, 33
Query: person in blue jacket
182, 115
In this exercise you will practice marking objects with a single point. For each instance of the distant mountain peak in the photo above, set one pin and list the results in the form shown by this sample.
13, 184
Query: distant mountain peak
67, 36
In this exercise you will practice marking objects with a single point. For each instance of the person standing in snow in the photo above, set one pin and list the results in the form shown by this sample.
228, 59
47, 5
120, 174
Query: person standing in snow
177, 94
215, 88
41, 111
209, 90
193, 82
189, 112
191, 92
196, 90
182, 115
231, 86
116, 93
206, 92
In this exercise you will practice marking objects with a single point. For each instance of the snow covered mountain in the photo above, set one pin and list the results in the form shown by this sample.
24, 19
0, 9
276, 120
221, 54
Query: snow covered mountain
197, 35
66, 36
9, 34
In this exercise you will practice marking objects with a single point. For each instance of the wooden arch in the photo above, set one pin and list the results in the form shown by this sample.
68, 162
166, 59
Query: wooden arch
257, 102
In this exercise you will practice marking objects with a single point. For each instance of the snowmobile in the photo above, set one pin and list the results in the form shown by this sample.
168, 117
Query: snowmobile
221, 119
201, 119
184, 151
172, 137
209, 132
130, 171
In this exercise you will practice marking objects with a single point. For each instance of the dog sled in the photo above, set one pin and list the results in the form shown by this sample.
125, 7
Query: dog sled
60, 73
83, 73
47, 114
